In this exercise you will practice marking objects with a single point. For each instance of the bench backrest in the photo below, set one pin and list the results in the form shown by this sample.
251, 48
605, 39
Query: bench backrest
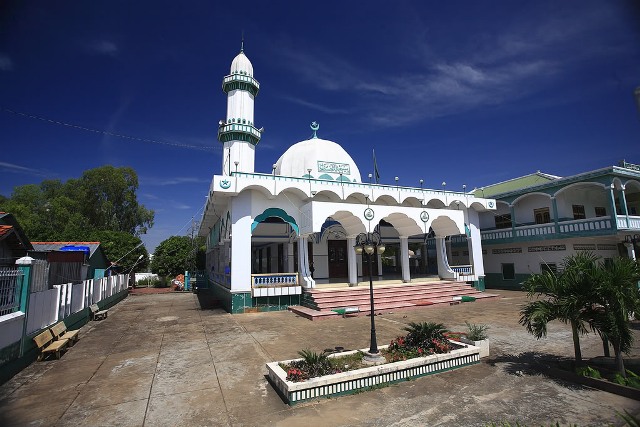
43, 338
58, 329
94, 308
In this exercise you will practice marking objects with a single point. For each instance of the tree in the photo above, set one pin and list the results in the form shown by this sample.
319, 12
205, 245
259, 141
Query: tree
124, 248
565, 296
172, 256
617, 298
109, 200
103, 198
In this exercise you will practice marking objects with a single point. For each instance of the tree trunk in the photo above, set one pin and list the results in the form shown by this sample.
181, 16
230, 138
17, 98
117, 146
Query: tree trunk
605, 346
619, 360
576, 343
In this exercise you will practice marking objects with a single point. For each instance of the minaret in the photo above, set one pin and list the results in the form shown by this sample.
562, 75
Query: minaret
238, 133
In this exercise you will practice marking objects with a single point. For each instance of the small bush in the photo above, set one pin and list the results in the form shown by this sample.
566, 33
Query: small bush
588, 371
477, 332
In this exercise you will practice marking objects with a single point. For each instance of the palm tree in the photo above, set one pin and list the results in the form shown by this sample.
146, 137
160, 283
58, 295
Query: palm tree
618, 297
565, 296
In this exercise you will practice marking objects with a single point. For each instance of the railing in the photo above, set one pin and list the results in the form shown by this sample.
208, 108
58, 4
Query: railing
589, 225
9, 298
462, 272
634, 222
274, 280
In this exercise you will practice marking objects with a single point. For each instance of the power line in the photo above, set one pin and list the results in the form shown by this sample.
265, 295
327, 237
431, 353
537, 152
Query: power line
105, 132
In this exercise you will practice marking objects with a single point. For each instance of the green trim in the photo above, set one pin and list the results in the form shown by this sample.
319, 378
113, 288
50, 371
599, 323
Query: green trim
241, 82
479, 284
495, 281
278, 213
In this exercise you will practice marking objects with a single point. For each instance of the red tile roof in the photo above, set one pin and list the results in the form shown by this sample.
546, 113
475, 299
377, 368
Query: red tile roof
5, 229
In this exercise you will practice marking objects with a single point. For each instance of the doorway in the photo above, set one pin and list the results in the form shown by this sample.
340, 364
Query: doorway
338, 264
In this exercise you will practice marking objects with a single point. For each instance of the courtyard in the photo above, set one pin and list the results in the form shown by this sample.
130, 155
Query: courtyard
161, 360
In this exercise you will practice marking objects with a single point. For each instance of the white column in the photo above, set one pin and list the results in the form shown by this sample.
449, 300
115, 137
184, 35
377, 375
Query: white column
290, 257
475, 246
379, 264
630, 251
444, 271
404, 255
241, 255
351, 258
303, 263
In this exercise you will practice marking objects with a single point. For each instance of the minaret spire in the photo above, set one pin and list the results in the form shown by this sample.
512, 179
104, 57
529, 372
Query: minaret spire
242, 42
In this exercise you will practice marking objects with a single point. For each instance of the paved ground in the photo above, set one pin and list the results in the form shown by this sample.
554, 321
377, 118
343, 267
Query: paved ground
159, 360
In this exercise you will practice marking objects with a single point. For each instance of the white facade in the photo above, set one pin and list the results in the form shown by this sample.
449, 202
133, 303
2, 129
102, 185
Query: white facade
271, 235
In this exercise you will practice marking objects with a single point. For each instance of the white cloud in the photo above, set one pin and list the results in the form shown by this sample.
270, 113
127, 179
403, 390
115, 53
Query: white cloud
314, 106
6, 64
174, 180
11, 167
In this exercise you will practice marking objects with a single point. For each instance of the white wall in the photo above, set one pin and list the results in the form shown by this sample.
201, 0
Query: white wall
525, 206
11, 328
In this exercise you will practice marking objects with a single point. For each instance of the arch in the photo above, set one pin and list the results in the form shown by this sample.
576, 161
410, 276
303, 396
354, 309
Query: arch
298, 193
278, 213
480, 207
435, 204
634, 183
255, 187
412, 202
405, 225
578, 185
445, 226
386, 200
617, 183
457, 204
524, 196
352, 224
327, 195
356, 197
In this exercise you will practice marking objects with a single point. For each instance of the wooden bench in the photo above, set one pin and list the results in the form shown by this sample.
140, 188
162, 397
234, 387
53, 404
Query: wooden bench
96, 313
47, 344
59, 332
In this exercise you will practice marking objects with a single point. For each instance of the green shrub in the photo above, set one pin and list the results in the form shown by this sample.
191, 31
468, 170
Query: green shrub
588, 371
477, 332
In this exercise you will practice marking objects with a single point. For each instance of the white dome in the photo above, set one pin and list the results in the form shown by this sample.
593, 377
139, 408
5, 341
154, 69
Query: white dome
242, 65
326, 159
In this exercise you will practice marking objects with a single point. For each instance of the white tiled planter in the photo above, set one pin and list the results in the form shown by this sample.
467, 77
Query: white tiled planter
372, 376
482, 344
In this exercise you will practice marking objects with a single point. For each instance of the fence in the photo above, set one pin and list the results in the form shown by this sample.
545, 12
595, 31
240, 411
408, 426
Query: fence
9, 299
49, 306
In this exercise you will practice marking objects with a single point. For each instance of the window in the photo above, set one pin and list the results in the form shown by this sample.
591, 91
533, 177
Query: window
578, 212
503, 221
601, 211
550, 267
508, 272
542, 215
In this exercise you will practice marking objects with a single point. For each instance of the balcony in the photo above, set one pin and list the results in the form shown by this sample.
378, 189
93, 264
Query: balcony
565, 229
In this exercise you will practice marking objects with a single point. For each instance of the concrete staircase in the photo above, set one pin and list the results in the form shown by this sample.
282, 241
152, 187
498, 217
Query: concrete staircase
320, 303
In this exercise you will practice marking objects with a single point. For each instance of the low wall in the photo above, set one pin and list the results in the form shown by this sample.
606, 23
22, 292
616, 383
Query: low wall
17, 355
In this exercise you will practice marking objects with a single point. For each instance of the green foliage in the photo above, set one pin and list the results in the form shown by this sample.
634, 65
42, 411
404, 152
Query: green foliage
122, 247
564, 296
422, 339
421, 334
103, 198
588, 371
311, 365
631, 380
173, 256
477, 332
629, 419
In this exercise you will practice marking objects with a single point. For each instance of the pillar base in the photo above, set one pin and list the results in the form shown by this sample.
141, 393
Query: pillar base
373, 358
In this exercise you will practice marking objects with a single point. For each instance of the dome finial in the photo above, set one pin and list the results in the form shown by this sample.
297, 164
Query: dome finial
242, 42
314, 127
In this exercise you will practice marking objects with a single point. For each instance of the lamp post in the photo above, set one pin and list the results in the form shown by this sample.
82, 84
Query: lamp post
368, 243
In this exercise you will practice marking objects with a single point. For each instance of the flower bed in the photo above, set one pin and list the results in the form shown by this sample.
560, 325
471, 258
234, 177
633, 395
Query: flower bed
369, 377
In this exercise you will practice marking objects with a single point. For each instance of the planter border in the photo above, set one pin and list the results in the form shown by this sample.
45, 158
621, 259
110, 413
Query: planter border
369, 377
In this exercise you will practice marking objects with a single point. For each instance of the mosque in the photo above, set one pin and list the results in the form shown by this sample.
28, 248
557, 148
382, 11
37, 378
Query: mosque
273, 236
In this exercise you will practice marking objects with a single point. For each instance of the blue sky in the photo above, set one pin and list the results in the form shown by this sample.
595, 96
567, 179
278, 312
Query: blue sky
464, 92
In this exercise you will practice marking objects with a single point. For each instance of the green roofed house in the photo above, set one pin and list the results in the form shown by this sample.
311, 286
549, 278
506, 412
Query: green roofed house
541, 219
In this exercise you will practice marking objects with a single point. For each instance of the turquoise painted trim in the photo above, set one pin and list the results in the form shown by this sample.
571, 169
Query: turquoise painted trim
479, 284
278, 213
326, 177
553, 236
